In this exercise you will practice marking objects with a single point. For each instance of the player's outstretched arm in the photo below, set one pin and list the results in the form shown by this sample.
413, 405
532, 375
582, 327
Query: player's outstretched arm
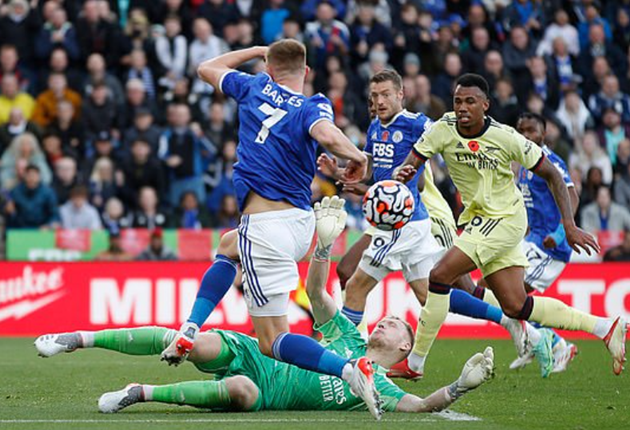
408, 169
331, 220
577, 238
332, 138
210, 71
478, 369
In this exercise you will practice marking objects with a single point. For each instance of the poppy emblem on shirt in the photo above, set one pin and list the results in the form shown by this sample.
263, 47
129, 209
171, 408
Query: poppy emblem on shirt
473, 145
385, 136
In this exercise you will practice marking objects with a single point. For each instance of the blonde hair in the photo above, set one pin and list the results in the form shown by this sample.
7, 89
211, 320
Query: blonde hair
287, 55
100, 164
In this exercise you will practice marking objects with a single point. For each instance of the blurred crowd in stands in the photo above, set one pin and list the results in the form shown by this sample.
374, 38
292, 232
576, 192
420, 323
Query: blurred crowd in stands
105, 124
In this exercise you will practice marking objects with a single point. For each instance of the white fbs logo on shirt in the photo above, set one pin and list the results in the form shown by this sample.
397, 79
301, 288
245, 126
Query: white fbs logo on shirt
384, 147
24, 294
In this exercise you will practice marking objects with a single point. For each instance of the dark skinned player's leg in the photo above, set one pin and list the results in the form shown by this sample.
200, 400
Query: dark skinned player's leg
349, 263
453, 265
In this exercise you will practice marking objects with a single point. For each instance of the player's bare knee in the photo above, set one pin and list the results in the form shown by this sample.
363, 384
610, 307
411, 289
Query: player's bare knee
441, 275
227, 245
243, 392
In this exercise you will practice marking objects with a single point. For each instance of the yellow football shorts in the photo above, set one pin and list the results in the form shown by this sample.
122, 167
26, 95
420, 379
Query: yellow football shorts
494, 243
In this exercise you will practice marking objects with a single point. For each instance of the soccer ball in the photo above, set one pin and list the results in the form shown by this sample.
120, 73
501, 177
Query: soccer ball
388, 205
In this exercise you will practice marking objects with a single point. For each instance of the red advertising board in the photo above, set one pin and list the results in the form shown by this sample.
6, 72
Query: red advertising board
38, 298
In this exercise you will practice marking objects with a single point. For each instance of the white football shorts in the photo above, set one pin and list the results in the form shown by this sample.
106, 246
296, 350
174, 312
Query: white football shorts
543, 269
269, 245
411, 249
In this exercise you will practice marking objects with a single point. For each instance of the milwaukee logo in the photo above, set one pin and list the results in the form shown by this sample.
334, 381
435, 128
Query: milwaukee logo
23, 295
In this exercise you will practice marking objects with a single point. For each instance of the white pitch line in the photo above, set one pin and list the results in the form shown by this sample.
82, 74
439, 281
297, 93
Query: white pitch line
447, 415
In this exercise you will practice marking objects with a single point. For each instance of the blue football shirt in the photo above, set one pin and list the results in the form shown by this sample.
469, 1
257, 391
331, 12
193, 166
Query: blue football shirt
542, 213
389, 145
276, 153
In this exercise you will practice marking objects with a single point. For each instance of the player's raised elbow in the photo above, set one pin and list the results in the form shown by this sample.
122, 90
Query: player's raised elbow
208, 72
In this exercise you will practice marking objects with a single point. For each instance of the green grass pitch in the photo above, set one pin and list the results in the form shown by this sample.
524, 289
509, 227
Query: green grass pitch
61, 393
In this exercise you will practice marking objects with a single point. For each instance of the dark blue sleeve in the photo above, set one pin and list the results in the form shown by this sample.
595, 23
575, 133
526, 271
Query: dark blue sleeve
236, 84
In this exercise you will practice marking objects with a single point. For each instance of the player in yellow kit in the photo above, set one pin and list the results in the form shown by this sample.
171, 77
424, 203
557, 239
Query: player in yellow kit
478, 152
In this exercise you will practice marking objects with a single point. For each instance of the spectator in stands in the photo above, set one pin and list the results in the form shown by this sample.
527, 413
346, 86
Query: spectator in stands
623, 158
140, 170
480, 44
77, 213
204, 46
219, 176
517, 51
10, 64
59, 63
136, 32
57, 32
148, 215
156, 251
171, 50
228, 216
556, 139
69, 128
291, 29
139, 72
367, 32
425, 102
32, 204
271, 20
620, 252
100, 113
604, 214
219, 13
574, 115
113, 216
562, 66
347, 106
189, 214
98, 36
65, 178
15, 126
443, 85
594, 78
590, 19
529, 14
494, 68
542, 82
590, 154
478, 17
184, 154
136, 100
598, 46
115, 252
504, 106
217, 129
17, 28
51, 144
104, 182
11, 97
560, 29
144, 129
23, 151
327, 36
97, 73
612, 132
610, 96
47, 103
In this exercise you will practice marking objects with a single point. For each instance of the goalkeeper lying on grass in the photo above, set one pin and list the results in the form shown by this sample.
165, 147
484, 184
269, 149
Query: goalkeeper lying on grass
246, 380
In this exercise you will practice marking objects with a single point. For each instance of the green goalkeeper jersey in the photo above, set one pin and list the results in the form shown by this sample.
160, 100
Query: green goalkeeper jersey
286, 387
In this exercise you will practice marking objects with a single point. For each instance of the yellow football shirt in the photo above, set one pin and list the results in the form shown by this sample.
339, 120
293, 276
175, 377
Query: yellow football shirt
433, 199
480, 165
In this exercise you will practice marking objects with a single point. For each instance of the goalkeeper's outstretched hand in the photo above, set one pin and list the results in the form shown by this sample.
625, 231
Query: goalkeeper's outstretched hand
331, 220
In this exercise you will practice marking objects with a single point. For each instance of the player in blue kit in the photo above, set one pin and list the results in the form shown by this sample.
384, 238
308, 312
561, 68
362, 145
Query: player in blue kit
545, 246
412, 249
278, 136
